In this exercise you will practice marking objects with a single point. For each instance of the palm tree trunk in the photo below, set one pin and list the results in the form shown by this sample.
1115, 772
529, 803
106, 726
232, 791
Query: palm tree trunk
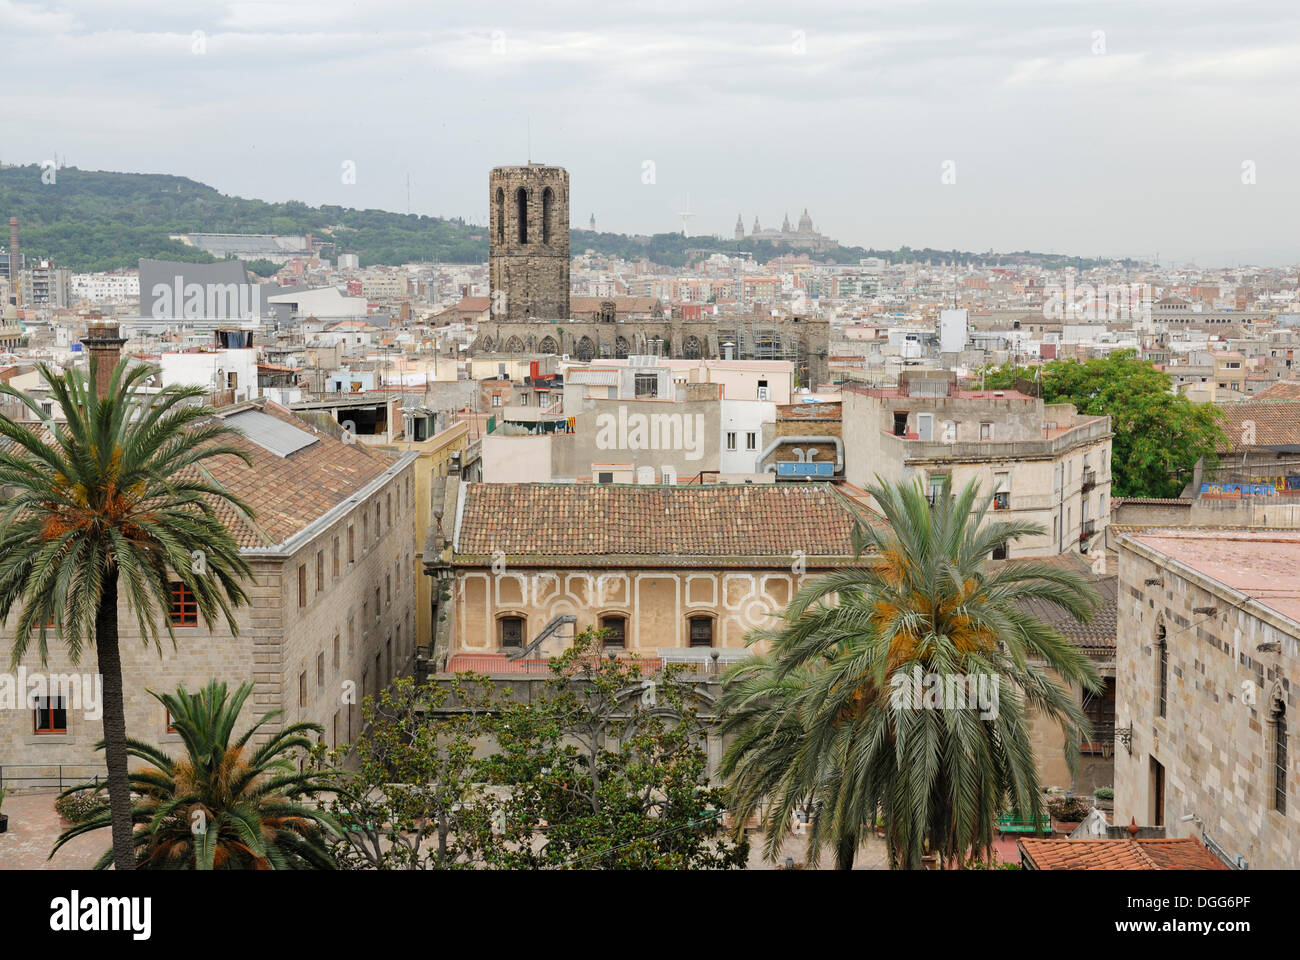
110, 671
845, 850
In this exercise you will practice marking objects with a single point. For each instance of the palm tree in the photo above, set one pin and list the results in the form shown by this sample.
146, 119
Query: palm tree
833, 717
224, 805
113, 500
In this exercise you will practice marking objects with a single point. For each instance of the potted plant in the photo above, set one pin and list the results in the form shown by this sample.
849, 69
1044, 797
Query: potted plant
1104, 796
1068, 810
4, 818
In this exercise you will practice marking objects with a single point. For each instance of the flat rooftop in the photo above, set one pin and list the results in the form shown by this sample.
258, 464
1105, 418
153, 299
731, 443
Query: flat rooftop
1262, 564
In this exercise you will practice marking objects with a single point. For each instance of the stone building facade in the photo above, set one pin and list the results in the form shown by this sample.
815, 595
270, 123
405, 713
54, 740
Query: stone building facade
528, 247
1046, 463
802, 340
679, 572
1208, 672
330, 617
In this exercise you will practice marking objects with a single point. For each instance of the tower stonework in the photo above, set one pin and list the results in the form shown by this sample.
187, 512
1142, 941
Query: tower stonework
528, 257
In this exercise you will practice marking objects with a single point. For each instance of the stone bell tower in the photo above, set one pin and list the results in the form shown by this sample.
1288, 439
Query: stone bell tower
529, 246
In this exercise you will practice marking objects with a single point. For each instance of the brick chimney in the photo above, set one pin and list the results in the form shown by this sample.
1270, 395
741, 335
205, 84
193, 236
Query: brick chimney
104, 342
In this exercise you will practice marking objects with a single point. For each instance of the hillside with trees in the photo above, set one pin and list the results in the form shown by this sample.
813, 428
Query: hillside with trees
89, 220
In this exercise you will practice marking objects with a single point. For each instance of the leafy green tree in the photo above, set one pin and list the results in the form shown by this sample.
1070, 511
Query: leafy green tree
1159, 435
831, 720
111, 502
263, 268
412, 798
608, 769
226, 804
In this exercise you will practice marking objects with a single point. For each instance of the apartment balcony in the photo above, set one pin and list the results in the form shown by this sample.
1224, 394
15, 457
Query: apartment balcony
1089, 480
1088, 528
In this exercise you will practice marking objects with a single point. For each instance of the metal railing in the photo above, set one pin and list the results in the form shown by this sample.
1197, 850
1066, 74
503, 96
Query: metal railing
58, 776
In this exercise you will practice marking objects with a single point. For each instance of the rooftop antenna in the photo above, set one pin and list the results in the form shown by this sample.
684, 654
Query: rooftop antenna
686, 214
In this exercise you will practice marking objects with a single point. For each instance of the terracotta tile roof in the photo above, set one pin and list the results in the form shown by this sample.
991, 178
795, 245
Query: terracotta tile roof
1276, 421
597, 524
1283, 390
1186, 853
1099, 631
288, 493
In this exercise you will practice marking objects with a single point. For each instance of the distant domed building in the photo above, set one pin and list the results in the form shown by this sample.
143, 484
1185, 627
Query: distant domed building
803, 238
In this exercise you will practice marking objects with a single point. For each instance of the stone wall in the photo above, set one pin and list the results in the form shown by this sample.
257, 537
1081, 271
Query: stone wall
1214, 743
278, 640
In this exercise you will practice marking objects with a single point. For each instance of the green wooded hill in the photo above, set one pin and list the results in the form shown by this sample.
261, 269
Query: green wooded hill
90, 220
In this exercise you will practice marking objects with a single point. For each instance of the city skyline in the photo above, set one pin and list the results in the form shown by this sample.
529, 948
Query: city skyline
1092, 131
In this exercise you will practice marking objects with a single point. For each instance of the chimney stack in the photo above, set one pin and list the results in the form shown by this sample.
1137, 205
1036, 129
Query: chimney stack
104, 342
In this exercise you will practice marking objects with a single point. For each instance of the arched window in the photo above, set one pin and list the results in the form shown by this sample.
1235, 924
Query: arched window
548, 198
1277, 721
1162, 655
521, 213
501, 215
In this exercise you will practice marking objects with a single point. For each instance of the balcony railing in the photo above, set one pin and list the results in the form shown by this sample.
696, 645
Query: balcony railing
1089, 480
1088, 529
497, 664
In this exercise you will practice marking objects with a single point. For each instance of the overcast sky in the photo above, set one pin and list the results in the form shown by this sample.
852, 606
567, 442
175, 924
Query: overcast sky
1092, 128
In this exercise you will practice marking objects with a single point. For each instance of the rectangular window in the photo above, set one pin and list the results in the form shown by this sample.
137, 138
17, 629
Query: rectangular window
334, 738
185, 607
646, 385
986, 431
320, 571
336, 651
352, 635
302, 689
605, 478
937, 481
352, 545
388, 508
1279, 758
1162, 653
751, 441
388, 589
378, 614
169, 728
617, 631
51, 715
1157, 793
731, 440
512, 631
302, 585
701, 631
